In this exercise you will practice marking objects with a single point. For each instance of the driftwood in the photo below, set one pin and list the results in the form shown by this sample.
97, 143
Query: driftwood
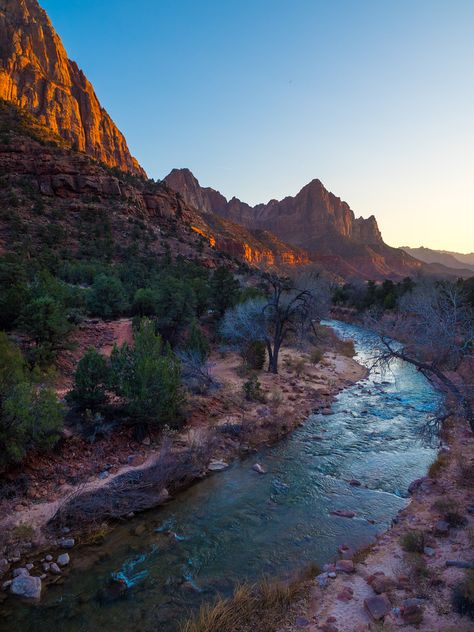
133, 491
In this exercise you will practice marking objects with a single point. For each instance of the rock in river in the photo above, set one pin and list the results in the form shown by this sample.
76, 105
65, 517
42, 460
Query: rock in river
217, 466
26, 586
258, 468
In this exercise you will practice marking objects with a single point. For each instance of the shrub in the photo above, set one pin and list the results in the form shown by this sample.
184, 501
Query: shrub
463, 595
144, 302
316, 356
90, 381
254, 354
30, 415
197, 342
147, 377
45, 320
224, 290
107, 297
413, 542
253, 390
438, 465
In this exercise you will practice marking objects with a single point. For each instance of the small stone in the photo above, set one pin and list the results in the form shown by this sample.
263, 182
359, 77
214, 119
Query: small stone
343, 513
146, 441
217, 466
412, 611
63, 559
26, 586
46, 566
301, 622
140, 529
441, 528
429, 551
67, 543
54, 568
43, 576
65, 530
6, 584
345, 566
332, 575
354, 482
103, 475
48, 558
378, 606
322, 580
258, 468
29, 566
18, 572
346, 594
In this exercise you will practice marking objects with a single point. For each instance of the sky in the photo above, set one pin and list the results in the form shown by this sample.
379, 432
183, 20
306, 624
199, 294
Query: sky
258, 97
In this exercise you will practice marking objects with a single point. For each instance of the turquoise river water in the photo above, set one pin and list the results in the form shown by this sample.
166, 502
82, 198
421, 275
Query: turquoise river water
238, 525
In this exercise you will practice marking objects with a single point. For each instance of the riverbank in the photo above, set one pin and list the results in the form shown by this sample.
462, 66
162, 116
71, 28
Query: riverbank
407, 578
220, 427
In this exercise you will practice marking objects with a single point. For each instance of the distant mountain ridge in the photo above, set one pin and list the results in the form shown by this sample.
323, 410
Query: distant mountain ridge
315, 220
36, 74
454, 260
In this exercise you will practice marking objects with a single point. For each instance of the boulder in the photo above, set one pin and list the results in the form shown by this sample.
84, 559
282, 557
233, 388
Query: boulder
380, 583
258, 468
54, 568
67, 543
63, 559
26, 586
378, 607
345, 566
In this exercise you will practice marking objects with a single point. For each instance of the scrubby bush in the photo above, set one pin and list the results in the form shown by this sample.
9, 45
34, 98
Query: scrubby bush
147, 377
316, 355
30, 414
90, 381
144, 302
107, 297
224, 290
253, 390
254, 354
197, 342
413, 541
463, 595
45, 320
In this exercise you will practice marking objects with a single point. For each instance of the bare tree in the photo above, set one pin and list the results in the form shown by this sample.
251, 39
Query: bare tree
436, 326
293, 308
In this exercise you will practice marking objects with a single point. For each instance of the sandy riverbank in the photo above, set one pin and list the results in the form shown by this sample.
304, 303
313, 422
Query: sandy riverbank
413, 589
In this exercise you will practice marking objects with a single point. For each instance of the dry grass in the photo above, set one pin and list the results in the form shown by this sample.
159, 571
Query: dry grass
438, 465
252, 608
347, 348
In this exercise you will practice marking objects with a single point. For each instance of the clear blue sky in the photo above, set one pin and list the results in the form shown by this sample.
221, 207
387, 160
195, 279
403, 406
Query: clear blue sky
257, 97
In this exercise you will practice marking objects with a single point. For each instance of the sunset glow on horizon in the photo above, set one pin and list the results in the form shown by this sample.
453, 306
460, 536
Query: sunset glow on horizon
257, 98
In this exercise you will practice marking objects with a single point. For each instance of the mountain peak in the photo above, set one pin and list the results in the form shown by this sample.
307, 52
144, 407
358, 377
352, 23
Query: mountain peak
37, 75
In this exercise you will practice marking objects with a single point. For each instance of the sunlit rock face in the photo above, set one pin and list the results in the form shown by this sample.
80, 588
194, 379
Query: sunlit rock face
314, 220
36, 74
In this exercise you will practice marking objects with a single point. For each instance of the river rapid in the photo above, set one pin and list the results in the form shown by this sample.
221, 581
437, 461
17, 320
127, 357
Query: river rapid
238, 525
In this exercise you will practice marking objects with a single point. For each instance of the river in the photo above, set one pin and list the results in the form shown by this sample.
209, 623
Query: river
237, 525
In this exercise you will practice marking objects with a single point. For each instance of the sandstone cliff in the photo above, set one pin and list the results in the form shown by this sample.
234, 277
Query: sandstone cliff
314, 220
36, 74
49, 192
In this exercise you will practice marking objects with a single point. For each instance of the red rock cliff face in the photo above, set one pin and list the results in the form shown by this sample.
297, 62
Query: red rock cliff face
36, 74
314, 220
